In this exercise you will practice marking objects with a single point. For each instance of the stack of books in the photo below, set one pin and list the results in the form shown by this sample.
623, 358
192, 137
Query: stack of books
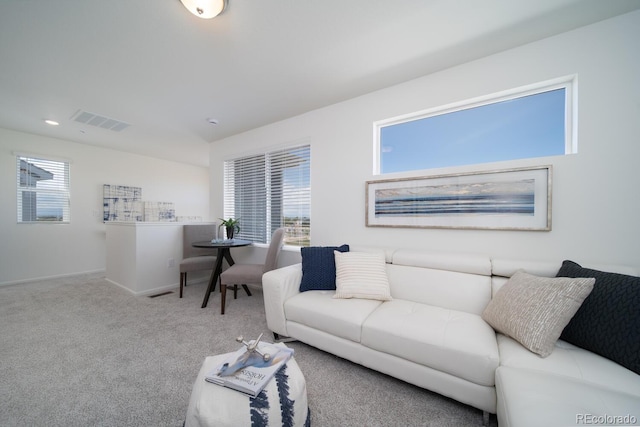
247, 371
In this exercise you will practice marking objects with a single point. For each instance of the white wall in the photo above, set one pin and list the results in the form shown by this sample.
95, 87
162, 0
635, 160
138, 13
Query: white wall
596, 199
29, 251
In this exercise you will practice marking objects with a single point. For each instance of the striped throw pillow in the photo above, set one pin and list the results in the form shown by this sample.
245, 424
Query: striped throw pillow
361, 275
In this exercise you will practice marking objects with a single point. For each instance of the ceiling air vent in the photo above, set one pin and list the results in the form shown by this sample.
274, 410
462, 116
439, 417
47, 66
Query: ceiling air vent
99, 121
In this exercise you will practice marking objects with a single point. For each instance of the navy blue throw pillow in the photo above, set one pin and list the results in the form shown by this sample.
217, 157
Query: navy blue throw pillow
608, 321
319, 267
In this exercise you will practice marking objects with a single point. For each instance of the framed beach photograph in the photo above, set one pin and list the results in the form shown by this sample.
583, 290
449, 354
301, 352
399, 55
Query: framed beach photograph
509, 199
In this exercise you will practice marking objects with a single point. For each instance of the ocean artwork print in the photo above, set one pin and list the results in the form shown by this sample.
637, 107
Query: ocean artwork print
494, 198
508, 199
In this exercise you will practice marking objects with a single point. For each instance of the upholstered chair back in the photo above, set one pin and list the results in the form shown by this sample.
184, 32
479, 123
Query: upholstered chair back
196, 233
274, 250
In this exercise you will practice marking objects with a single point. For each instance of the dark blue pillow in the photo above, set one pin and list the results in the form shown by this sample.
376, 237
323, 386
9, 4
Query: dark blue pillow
608, 321
319, 267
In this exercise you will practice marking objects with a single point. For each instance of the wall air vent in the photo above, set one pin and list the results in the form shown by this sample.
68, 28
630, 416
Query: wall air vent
99, 121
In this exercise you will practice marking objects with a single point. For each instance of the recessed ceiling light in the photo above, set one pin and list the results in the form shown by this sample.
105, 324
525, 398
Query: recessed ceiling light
51, 122
212, 121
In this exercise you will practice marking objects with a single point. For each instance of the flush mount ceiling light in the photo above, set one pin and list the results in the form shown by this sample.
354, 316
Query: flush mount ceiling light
51, 122
205, 9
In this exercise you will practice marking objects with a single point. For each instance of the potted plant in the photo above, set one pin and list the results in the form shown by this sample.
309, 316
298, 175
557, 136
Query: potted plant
231, 226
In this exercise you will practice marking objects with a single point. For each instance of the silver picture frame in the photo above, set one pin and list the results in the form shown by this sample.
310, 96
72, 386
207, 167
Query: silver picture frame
508, 199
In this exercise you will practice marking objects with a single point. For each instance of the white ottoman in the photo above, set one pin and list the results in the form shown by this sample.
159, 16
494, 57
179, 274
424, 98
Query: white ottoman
283, 402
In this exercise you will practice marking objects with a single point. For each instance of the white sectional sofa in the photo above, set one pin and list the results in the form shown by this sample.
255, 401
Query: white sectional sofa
432, 334
572, 386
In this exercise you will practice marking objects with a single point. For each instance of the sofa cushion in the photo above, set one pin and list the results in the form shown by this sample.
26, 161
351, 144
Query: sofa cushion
340, 317
319, 267
455, 342
534, 310
608, 322
361, 275
459, 262
571, 361
528, 398
442, 288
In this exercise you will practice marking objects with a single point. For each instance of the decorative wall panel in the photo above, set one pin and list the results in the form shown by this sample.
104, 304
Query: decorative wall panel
122, 203
159, 211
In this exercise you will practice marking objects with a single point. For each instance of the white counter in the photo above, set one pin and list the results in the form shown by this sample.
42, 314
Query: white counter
144, 257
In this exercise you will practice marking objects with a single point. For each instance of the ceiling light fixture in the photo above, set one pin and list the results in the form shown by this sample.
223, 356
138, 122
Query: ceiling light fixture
205, 9
51, 122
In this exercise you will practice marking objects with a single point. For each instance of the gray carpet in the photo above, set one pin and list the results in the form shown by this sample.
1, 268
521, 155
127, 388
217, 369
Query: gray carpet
79, 351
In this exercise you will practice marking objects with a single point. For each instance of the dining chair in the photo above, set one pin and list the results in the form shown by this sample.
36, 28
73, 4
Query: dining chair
195, 259
250, 274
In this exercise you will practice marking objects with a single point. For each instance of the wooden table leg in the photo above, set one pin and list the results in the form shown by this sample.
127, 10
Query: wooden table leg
215, 274
223, 288
227, 256
223, 297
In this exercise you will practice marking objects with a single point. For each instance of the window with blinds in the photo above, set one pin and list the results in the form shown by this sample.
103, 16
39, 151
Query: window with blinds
270, 190
43, 190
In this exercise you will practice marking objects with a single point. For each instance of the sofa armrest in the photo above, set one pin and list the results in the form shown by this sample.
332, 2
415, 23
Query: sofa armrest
278, 286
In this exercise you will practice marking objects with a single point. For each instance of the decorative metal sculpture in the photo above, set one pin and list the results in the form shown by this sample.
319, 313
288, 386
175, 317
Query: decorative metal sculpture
251, 357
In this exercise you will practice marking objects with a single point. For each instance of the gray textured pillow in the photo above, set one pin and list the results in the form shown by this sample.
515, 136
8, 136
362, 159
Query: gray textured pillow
534, 310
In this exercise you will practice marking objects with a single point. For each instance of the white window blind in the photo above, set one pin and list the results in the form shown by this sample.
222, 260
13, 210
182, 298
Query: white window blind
42, 190
270, 190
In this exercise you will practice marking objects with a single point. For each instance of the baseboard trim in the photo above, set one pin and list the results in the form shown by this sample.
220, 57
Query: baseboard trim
148, 292
53, 277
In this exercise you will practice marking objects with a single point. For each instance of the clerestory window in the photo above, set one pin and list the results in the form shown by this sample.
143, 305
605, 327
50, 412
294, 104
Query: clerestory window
534, 121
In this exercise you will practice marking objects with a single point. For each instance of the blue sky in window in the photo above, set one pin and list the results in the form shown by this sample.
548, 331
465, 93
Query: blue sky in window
525, 127
297, 187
